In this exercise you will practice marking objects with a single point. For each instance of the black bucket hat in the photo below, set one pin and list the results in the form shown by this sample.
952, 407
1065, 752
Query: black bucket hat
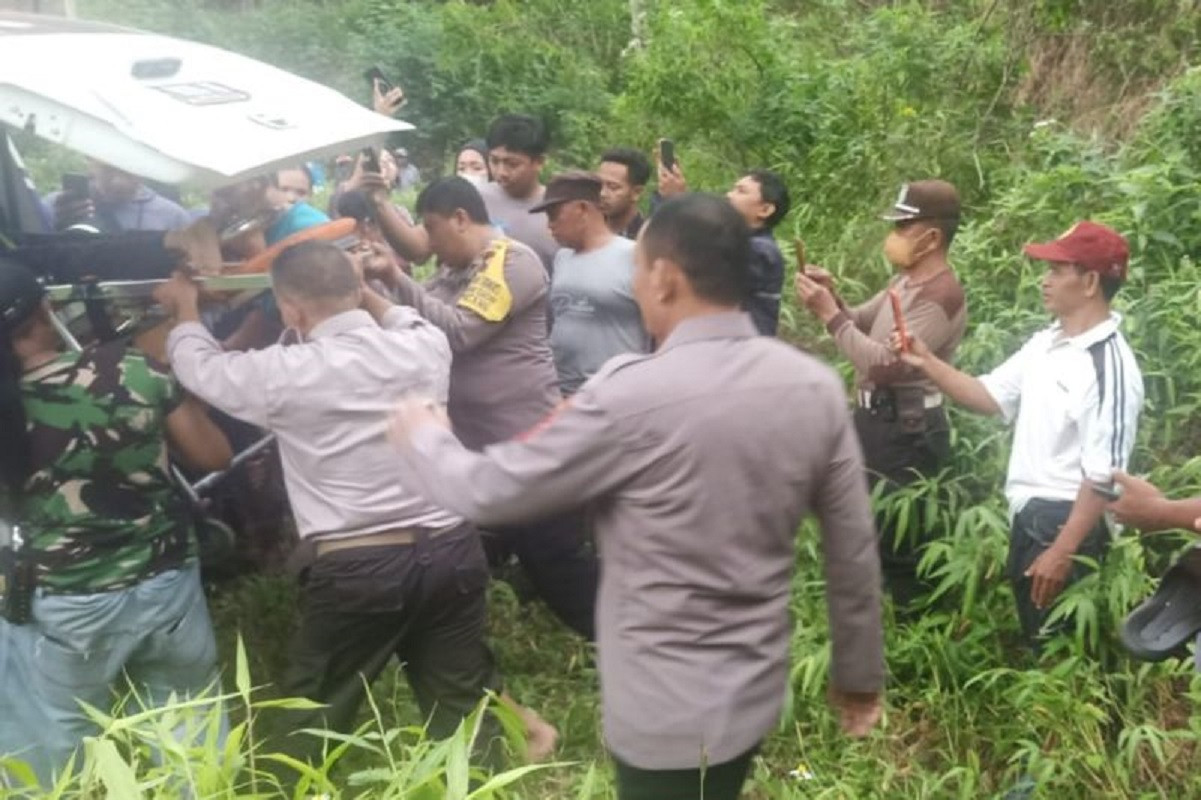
1170, 618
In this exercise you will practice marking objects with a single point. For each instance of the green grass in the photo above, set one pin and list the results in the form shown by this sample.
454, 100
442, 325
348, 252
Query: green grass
849, 99
968, 711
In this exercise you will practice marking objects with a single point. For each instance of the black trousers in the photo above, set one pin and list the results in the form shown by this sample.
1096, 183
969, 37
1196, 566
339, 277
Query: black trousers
898, 458
716, 782
560, 562
1033, 531
423, 603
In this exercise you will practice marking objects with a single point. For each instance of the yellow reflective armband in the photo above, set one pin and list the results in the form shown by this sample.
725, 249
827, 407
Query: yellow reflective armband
488, 295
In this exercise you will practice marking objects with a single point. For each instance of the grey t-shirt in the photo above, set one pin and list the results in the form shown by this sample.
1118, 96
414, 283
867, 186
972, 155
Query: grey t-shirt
514, 219
593, 311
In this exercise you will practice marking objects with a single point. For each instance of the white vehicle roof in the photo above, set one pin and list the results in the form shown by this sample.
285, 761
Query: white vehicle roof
169, 109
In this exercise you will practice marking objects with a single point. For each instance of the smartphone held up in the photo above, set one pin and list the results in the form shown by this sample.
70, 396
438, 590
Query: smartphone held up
667, 154
76, 185
370, 160
375, 77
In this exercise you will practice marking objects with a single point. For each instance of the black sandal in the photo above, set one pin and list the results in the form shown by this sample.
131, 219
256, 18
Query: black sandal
1170, 618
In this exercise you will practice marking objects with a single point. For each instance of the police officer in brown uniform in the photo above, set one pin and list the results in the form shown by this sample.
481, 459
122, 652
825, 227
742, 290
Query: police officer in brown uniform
489, 297
701, 458
900, 418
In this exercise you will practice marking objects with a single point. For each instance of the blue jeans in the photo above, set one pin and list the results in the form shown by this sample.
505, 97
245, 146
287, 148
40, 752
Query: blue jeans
155, 637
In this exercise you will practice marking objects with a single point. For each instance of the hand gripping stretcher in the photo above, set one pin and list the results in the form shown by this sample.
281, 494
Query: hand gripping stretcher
132, 302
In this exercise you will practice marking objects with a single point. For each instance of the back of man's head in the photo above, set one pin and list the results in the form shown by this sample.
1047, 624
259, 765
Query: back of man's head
773, 190
518, 133
638, 166
710, 242
447, 195
316, 275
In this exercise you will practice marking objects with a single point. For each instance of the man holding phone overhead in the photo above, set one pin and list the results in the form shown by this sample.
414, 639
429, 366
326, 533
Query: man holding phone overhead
386, 97
1074, 393
899, 415
761, 198
110, 200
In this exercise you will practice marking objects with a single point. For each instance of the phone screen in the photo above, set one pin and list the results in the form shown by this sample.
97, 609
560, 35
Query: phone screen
370, 160
376, 74
667, 153
76, 185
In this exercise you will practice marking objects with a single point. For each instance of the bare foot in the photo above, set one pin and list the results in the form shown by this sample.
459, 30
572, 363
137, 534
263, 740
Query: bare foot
541, 737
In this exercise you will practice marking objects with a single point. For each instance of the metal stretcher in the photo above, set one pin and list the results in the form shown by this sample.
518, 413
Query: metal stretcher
135, 299
137, 296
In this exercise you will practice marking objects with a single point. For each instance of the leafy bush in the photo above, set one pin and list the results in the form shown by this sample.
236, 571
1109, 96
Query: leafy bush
847, 98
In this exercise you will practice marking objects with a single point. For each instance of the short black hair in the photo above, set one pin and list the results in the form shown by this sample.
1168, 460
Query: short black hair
710, 241
447, 195
635, 161
314, 270
773, 190
519, 133
1109, 284
356, 205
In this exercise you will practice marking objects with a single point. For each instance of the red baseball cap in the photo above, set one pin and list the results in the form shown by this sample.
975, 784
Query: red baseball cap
1088, 245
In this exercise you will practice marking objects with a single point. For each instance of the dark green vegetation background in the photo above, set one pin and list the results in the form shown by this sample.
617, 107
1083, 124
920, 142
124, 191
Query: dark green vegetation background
1042, 112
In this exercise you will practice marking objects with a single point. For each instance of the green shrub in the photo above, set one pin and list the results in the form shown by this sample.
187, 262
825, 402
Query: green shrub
847, 98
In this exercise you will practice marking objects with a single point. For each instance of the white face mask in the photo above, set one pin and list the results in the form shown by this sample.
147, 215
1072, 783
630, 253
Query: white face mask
476, 180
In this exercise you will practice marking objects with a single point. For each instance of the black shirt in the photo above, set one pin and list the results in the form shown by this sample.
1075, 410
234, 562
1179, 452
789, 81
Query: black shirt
631, 231
767, 280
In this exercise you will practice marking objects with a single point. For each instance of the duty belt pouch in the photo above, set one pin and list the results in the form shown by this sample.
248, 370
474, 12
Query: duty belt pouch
884, 405
911, 410
17, 581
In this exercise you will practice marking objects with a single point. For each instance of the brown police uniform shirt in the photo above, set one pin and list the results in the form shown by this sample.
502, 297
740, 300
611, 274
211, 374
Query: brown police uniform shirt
502, 378
935, 311
701, 459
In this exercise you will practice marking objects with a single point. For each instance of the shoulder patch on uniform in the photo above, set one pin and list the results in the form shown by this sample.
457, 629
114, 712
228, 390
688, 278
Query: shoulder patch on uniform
488, 293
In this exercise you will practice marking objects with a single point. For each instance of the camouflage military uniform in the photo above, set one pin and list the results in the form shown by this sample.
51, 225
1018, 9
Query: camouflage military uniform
119, 599
100, 511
